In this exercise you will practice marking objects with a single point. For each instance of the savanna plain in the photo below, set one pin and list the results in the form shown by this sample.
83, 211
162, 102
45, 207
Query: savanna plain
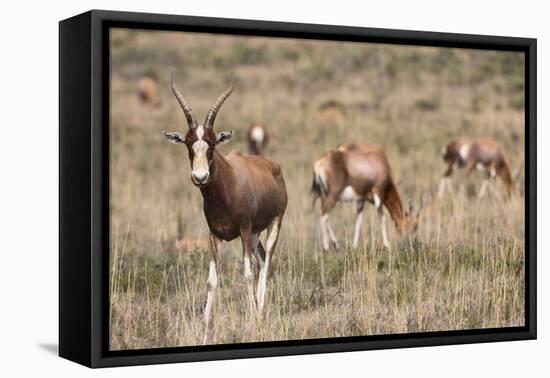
462, 269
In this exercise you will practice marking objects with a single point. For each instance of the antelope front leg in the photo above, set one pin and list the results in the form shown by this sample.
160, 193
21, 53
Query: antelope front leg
445, 182
324, 231
358, 221
211, 285
272, 237
491, 175
467, 172
327, 204
246, 238
483, 188
444, 185
385, 241
332, 236
378, 205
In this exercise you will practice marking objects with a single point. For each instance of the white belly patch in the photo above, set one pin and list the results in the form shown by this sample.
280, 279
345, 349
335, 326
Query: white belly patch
464, 151
348, 194
480, 167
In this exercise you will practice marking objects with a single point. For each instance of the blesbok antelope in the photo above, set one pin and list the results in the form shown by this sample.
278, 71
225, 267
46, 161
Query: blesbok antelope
359, 173
242, 197
148, 92
257, 138
484, 155
188, 244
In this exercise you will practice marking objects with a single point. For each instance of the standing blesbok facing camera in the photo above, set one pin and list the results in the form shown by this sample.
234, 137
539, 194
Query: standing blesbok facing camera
359, 173
148, 92
484, 155
242, 197
257, 138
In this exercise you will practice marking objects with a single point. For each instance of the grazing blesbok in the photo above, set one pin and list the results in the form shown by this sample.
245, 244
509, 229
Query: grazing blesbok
359, 173
242, 197
257, 138
148, 92
484, 155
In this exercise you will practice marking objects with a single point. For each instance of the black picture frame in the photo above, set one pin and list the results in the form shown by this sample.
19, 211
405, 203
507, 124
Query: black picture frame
84, 184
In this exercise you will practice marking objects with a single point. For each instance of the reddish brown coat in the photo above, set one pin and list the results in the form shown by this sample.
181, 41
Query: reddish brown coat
482, 154
148, 92
364, 168
359, 173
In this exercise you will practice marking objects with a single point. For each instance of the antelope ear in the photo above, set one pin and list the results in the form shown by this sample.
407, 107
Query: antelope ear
174, 137
224, 136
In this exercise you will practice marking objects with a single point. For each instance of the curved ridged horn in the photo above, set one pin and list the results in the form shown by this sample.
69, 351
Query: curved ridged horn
211, 115
191, 120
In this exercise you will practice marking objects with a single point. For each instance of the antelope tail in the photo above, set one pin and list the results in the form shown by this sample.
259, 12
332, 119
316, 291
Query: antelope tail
318, 187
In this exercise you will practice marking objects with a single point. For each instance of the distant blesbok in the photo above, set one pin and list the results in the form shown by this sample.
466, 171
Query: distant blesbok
242, 197
257, 138
359, 173
148, 92
189, 244
484, 155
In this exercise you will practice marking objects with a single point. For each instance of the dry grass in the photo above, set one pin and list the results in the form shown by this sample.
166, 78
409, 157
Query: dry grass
463, 269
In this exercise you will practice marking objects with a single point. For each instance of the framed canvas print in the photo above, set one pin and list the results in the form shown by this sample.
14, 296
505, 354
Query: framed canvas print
234, 188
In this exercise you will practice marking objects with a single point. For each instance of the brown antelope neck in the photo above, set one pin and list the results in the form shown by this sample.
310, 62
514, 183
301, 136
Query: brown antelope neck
219, 203
393, 203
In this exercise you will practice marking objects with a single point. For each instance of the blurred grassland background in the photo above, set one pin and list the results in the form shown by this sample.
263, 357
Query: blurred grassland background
463, 269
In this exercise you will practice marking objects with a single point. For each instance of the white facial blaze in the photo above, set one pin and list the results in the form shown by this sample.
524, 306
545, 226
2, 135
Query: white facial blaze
200, 160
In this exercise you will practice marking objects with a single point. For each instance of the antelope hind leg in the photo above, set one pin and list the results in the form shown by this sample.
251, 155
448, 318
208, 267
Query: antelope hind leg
247, 239
259, 251
378, 205
272, 238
